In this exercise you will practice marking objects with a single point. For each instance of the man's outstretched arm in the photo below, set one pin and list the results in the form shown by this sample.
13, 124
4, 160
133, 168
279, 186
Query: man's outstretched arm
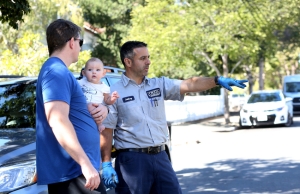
199, 84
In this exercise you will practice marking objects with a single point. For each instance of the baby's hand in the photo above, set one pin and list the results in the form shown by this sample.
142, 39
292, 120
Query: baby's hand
114, 96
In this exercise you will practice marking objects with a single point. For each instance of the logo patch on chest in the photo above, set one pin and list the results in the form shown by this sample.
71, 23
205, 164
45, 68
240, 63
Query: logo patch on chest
154, 93
128, 99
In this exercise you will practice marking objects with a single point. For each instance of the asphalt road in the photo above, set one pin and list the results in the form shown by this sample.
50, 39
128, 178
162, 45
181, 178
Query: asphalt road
209, 158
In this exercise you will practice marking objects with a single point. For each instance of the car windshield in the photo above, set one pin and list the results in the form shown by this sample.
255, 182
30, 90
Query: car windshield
293, 87
264, 97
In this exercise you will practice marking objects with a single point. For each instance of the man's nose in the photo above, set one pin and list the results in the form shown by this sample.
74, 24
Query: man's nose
148, 62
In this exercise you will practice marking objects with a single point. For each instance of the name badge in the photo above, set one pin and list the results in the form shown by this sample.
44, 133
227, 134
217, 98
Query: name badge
128, 99
153, 93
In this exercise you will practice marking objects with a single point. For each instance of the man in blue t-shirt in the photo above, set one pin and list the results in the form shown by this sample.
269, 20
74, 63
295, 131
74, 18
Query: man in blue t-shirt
68, 143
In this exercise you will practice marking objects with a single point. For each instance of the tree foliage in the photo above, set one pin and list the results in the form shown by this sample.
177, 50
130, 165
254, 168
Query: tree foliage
24, 50
114, 16
240, 29
225, 35
12, 11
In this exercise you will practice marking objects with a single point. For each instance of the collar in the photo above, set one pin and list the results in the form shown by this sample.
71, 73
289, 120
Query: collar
126, 80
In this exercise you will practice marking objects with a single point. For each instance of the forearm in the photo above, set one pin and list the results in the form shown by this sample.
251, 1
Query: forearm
108, 100
106, 137
197, 84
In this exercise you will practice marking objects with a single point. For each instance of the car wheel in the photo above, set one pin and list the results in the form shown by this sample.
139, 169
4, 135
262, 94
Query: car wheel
289, 121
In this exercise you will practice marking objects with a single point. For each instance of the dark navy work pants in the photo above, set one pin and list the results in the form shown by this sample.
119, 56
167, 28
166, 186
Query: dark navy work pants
142, 173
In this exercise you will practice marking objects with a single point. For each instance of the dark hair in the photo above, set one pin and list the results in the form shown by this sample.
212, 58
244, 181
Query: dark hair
59, 32
127, 48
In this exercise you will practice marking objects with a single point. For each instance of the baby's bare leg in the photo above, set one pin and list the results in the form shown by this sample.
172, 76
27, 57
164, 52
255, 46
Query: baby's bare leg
101, 127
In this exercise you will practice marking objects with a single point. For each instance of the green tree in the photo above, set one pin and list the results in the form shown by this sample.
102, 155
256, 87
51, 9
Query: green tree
24, 50
12, 11
114, 17
228, 36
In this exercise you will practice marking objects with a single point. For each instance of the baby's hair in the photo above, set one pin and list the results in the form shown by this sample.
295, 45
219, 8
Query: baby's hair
93, 59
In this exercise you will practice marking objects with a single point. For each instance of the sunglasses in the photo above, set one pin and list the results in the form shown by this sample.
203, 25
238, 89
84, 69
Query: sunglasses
80, 41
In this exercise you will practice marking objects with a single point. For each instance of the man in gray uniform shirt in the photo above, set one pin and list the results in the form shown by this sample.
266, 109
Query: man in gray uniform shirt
138, 117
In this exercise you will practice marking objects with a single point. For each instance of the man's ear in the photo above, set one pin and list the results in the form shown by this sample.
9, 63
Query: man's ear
71, 43
128, 62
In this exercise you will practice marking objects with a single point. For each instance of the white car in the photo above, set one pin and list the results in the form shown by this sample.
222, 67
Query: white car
267, 107
236, 102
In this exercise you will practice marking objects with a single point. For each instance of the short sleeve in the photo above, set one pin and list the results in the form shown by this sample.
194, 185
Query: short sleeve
56, 86
172, 89
105, 89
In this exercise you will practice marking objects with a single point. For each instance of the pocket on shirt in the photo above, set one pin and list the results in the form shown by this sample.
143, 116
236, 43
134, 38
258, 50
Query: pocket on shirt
130, 113
157, 109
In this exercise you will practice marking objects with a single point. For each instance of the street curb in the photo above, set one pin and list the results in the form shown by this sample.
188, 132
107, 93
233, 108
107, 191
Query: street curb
213, 121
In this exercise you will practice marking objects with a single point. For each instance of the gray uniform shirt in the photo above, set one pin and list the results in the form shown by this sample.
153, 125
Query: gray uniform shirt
138, 116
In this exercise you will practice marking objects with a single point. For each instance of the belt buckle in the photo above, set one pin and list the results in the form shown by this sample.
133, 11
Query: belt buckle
152, 150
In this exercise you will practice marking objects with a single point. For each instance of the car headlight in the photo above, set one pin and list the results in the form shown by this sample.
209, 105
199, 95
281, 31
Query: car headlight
279, 109
17, 176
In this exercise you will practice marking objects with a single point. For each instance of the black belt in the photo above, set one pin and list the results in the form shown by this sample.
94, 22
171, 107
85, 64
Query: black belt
148, 150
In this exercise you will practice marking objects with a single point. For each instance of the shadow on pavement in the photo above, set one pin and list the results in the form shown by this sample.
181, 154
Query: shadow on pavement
242, 176
210, 120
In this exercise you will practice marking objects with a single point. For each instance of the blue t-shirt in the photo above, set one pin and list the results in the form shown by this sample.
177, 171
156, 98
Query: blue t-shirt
54, 164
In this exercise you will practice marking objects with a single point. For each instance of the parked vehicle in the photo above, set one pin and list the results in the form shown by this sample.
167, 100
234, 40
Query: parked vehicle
266, 107
17, 133
236, 102
291, 88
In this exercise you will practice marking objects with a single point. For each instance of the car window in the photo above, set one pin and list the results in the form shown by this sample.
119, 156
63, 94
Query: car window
17, 115
293, 87
104, 80
110, 80
113, 80
17, 106
264, 97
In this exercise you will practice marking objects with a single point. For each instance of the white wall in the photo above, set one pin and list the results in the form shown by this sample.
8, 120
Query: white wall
194, 108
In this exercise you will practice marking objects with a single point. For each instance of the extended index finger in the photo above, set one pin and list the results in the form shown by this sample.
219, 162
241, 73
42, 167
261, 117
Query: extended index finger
242, 81
240, 85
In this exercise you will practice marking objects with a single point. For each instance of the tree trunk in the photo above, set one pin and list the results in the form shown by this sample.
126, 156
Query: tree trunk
226, 101
249, 78
261, 73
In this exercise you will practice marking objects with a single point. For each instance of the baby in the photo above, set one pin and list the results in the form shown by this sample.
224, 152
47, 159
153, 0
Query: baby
94, 90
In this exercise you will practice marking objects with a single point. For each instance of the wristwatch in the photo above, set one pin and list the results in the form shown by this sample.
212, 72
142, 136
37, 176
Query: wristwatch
216, 80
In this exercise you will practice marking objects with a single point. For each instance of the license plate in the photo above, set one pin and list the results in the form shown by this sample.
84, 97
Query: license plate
262, 117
